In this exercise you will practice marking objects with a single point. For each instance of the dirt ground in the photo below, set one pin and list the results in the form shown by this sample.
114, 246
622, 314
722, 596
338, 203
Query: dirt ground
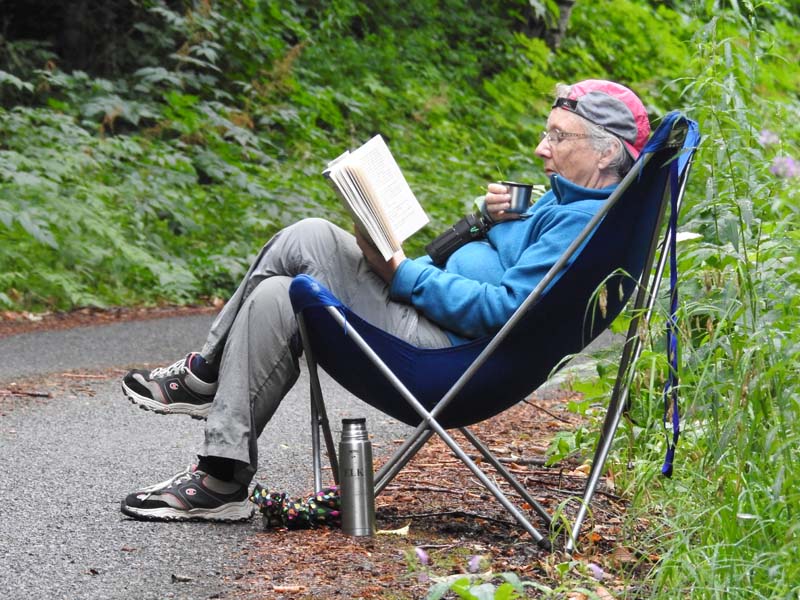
451, 520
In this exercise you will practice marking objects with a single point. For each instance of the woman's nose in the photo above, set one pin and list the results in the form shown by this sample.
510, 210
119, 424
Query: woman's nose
543, 149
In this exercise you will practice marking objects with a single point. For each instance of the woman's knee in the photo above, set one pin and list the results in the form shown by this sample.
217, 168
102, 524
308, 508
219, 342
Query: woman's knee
316, 227
310, 244
270, 298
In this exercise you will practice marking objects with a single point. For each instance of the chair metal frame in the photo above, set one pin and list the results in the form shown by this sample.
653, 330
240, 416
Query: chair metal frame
642, 311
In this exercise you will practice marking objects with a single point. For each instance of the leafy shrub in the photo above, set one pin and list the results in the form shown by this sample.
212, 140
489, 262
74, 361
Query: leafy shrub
198, 148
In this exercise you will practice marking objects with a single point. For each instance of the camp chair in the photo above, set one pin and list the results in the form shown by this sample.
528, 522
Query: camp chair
440, 389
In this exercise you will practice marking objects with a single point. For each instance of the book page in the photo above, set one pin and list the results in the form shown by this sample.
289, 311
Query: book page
371, 217
375, 207
391, 190
353, 199
375, 192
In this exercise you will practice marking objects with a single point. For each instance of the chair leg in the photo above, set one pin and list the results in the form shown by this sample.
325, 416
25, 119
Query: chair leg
430, 421
319, 416
616, 407
400, 458
614, 413
506, 474
324, 425
493, 489
418, 439
643, 308
316, 458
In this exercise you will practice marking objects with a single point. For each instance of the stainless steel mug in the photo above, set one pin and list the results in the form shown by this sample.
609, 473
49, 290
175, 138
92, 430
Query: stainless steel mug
520, 196
356, 479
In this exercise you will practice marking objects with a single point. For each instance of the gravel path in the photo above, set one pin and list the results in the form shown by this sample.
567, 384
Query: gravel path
67, 461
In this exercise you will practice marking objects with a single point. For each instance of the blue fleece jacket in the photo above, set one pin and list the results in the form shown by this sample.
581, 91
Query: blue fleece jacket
485, 281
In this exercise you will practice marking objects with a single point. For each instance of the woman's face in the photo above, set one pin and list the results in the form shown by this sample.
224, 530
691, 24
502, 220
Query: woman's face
571, 157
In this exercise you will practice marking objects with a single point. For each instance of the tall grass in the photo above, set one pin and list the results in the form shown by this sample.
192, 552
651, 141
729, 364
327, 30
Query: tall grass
727, 525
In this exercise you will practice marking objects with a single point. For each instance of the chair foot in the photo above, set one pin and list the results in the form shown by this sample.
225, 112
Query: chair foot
545, 544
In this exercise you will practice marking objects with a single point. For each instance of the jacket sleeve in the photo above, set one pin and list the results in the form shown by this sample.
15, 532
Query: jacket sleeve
472, 308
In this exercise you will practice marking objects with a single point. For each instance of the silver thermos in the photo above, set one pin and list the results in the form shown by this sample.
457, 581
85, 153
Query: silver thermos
356, 479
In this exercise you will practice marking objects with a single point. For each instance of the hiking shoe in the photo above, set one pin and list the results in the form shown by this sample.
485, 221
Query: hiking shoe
170, 390
185, 497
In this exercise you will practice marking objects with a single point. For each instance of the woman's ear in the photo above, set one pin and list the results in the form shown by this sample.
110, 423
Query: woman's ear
608, 154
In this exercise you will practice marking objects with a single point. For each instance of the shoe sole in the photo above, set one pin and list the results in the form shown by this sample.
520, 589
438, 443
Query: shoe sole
196, 411
233, 512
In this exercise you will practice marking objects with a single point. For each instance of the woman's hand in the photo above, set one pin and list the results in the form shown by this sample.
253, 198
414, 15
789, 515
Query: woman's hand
384, 269
497, 201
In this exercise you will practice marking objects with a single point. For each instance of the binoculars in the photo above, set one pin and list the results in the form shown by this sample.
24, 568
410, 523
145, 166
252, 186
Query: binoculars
470, 228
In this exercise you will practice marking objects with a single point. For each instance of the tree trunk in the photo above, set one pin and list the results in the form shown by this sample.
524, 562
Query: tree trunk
73, 38
551, 33
553, 36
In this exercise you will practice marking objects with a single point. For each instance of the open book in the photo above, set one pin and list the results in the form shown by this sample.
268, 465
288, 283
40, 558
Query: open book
374, 191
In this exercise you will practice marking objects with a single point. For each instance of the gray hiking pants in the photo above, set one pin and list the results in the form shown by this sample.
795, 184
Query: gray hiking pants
255, 338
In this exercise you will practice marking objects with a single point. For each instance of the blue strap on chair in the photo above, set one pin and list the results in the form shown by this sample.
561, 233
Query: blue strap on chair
671, 385
437, 389
678, 173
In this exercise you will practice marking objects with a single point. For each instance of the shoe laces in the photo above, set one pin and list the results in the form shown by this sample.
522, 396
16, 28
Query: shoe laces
189, 473
178, 367
171, 481
183, 478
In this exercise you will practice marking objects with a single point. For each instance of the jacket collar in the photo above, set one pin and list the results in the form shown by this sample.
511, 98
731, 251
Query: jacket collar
565, 191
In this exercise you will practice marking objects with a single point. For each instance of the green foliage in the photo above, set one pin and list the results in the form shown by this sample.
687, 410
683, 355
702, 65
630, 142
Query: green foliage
159, 178
466, 588
601, 40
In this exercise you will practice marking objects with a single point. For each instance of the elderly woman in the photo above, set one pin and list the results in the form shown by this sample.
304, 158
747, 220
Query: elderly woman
250, 360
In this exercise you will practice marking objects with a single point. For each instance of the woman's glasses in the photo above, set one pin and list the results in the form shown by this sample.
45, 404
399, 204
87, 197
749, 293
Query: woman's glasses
555, 136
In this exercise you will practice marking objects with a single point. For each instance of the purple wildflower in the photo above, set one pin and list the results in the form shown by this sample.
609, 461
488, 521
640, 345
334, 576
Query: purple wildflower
422, 556
768, 138
597, 571
474, 563
785, 166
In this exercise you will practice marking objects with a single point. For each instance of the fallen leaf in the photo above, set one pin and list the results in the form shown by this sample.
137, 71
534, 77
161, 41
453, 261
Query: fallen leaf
401, 531
603, 593
622, 554
289, 589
